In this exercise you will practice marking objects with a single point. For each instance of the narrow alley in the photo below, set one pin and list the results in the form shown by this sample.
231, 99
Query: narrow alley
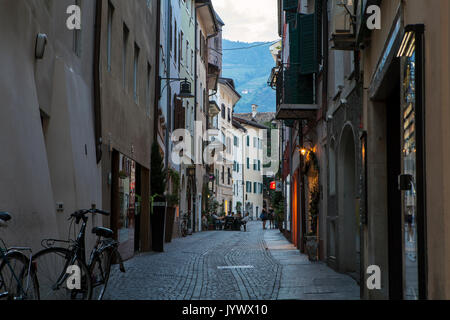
227, 265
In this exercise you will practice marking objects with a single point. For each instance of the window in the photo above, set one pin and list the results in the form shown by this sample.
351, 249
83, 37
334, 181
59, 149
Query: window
248, 141
135, 73
248, 163
255, 165
236, 141
109, 36
223, 110
229, 176
248, 186
126, 34
259, 165
255, 187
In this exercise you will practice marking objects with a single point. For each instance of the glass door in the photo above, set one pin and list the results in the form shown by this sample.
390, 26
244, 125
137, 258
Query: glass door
409, 178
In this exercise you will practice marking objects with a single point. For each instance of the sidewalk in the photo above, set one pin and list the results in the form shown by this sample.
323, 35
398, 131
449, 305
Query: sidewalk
304, 280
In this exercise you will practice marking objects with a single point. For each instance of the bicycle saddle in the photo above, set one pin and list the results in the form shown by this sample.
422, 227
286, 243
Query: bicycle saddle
103, 232
5, 216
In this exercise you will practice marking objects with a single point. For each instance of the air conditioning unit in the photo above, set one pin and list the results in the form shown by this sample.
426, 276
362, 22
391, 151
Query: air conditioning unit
343, 35
342, 20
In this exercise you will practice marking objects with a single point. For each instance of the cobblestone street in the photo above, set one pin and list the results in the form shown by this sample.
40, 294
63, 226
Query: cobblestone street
225, 265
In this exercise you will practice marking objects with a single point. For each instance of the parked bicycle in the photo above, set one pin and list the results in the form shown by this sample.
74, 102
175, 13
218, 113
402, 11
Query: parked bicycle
52, 263
184, 225
18, 279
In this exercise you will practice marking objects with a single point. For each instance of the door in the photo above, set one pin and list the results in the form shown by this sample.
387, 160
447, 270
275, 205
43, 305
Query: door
408, 179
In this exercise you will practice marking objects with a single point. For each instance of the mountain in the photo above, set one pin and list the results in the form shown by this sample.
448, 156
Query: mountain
250, 68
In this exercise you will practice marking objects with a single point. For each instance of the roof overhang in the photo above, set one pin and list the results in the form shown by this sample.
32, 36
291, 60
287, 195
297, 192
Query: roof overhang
207, 15
296, 111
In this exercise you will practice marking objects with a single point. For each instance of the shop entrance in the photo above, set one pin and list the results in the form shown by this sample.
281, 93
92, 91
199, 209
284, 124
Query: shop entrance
349, 239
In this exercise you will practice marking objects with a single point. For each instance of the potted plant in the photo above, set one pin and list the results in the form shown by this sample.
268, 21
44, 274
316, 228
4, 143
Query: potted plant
158, 200
312, 241
173, 200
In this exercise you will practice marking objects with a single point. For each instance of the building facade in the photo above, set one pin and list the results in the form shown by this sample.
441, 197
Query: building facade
126, 95
252, 167
47, 120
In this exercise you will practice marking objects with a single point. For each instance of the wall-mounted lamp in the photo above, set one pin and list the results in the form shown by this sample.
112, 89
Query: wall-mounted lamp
41, 42
304, 151
185, 87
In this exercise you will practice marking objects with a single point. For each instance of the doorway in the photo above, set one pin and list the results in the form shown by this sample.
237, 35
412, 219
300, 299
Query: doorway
349, 244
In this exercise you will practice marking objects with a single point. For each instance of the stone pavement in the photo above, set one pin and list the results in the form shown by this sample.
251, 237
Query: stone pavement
228, 265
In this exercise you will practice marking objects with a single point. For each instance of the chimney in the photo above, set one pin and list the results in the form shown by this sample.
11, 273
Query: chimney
254, 110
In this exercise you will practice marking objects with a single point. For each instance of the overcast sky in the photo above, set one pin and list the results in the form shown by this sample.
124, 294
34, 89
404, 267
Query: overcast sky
248, 20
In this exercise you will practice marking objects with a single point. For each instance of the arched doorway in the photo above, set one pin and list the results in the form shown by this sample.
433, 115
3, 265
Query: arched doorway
348, 218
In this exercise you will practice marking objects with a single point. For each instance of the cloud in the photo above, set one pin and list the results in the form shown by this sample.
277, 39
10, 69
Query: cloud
248, 20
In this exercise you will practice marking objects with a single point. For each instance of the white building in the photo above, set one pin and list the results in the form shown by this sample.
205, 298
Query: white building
226, 98
253, 166
239, 133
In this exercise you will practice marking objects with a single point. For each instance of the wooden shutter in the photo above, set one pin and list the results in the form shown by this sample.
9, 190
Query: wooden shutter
308, 44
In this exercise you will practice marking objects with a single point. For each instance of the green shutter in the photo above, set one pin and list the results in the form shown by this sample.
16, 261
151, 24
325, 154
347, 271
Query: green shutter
308, 44
299, 88
318, 15
289, 5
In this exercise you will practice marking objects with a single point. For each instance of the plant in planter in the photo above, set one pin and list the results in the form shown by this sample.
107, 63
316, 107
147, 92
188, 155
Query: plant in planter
158, 188
312, 241
173, 200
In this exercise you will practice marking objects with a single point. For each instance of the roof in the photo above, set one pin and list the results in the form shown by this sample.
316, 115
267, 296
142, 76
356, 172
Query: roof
230, 83
249, 123
238, 125
261, 117
219, 20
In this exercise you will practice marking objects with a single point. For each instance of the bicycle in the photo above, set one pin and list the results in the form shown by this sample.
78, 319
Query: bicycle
184, 225
53, 263
18, 279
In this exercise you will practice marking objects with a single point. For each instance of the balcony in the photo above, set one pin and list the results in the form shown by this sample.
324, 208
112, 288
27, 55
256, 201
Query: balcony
343, 26
295, 94
214, 109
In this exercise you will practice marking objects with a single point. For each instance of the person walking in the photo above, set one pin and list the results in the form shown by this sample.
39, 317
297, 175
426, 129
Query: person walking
264, 218
244, 221
271, 218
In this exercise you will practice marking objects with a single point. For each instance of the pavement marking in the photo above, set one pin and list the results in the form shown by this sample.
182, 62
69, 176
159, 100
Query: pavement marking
235, 267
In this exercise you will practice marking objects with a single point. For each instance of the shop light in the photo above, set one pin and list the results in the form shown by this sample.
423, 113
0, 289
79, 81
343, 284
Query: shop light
404, 45
411, 48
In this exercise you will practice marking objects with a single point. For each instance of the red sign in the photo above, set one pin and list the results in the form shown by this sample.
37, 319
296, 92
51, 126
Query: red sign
273, 185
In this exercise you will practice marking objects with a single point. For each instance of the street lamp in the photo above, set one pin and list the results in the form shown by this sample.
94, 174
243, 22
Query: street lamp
185, 87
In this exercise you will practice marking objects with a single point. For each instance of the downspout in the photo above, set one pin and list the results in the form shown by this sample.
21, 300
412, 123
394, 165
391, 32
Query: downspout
97, 91
169, 106
157, 81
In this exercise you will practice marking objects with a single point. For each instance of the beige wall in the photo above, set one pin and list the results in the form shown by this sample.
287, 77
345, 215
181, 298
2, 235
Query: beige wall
434, 14
37, 171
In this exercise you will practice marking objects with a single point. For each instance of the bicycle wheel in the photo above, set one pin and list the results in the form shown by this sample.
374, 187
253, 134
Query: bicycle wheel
16, 282
100, 268
55, 283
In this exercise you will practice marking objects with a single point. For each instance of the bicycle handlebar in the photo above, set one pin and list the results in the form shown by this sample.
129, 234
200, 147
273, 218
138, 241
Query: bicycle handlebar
82, 213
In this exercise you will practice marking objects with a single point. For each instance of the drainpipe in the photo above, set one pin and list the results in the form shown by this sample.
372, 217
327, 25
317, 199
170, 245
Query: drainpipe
97, 91
157, 82
169, 111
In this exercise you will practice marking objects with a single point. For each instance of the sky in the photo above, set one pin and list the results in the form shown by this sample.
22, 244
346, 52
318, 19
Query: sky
248, 20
